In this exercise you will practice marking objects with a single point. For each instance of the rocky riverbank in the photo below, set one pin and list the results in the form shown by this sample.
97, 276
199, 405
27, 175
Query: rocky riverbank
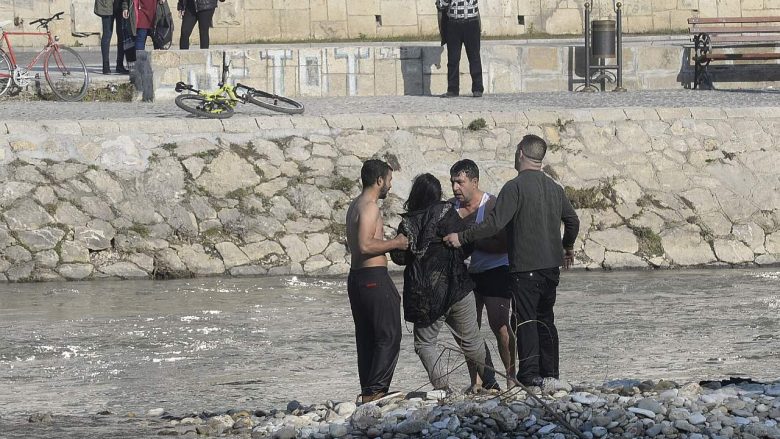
617, 409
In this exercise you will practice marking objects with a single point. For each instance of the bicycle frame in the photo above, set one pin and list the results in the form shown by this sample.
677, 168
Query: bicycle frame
225, 92
50, 44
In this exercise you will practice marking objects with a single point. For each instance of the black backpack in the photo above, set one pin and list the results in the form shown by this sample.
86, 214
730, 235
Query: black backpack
162, 33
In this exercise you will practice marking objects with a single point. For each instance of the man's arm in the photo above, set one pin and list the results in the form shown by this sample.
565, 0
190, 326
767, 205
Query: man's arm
506, 207
571, 228
443, 4
369, 245
497, 243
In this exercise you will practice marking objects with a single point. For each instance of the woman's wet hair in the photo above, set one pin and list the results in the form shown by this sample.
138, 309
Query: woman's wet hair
426, 191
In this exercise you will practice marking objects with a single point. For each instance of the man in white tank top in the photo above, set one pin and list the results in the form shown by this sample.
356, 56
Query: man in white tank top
489, 266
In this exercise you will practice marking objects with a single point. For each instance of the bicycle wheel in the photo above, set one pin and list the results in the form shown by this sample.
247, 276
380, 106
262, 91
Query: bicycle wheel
6, 77
273, 102
66, 73
200, 106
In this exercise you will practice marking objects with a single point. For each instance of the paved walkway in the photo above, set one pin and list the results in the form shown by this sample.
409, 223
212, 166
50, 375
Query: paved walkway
37, 110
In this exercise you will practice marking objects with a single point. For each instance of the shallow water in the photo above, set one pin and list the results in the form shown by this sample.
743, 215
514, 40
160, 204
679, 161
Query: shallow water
76, 349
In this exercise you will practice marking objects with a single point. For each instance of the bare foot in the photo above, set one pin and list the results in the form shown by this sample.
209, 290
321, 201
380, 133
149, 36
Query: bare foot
511, 382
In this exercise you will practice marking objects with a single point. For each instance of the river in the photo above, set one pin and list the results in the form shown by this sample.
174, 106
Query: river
77, 349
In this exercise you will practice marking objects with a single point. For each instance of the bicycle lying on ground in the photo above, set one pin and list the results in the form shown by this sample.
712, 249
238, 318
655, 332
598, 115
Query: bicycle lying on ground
220, 103
63, 68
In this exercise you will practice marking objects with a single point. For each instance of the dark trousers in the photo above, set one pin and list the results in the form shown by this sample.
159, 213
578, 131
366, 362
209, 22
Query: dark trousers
105, 37
376, 310
203, 18
537, 338
466, 33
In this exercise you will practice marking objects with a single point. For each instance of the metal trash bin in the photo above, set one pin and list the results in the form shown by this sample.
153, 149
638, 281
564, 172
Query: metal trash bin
603, 39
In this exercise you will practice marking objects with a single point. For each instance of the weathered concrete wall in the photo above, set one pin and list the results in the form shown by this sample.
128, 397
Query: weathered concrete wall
99, 198
241, 21
412, 69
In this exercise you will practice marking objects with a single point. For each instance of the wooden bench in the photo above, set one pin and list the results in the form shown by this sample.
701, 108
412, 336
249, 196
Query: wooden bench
738, 34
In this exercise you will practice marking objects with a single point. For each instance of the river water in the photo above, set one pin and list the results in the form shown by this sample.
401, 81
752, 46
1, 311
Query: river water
76, 349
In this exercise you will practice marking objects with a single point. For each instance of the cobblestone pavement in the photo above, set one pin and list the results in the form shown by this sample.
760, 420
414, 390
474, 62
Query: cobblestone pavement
36, 110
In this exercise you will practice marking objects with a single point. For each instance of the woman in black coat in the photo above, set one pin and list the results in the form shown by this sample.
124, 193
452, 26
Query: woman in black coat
437, 285
196, 11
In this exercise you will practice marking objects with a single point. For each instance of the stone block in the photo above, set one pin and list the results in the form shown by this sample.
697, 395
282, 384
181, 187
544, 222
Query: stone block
337, 10
295, 24
322, 30
363, 7
397, 13
541, 59
265, 25
378, 121
662, 20
564, 21
361, 26
318, 10
673, 114
638, 24
309, 122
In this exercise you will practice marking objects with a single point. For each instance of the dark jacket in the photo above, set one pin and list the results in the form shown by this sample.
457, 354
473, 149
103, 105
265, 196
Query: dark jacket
106, 8
200, 5
435, 276
532, 207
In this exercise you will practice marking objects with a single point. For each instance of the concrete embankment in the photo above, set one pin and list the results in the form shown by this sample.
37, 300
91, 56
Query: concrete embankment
159, 197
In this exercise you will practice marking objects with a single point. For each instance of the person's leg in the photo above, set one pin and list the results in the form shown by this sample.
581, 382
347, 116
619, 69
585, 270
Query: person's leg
384, 311
432, 358
187, 25
454, 41
204, 23
548, 333
105, 41
120, 38
526, 290
462, 320
498, 310
363, 329
140, 38
471, 40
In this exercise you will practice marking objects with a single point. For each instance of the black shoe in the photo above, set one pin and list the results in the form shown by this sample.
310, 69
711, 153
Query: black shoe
535, 381
450, 94
477, 94
121, 70
106, 69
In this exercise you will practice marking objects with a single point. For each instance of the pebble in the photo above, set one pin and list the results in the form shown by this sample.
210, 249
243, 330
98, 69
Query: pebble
690, 412
155, 412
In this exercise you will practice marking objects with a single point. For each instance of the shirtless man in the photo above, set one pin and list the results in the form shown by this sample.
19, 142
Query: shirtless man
375, 302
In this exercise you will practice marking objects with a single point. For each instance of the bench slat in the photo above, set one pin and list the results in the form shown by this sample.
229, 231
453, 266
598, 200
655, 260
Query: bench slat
742, 56
699, 20
733, 30
744, 38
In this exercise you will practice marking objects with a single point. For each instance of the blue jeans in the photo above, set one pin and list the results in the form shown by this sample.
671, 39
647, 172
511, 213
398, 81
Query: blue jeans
140, 38
105, 37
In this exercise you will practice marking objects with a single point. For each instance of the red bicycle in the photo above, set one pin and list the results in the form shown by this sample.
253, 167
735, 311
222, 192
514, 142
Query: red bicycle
63, 68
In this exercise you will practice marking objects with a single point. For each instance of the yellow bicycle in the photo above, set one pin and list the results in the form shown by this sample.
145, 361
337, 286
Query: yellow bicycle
220, 103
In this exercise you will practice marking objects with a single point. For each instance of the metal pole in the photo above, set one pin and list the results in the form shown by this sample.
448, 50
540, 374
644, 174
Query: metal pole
619, 12
587, 47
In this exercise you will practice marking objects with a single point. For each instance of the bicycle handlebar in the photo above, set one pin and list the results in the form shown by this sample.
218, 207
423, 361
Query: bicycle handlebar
44, 22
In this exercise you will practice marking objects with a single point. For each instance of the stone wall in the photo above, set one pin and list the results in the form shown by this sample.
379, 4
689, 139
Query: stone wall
241, 21
96, 199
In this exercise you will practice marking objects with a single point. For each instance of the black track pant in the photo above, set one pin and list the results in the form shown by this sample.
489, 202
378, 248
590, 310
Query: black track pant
466, 33
376, 310
203, 18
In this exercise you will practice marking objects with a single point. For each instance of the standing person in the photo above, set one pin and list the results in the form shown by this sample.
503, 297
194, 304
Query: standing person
110, 12
489, 265
140, 14
531, 207
462, 29
375, 302
196, 11
437, 286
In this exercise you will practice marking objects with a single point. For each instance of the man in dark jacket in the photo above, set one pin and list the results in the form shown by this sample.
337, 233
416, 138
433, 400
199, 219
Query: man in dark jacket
462, 29
531, 207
